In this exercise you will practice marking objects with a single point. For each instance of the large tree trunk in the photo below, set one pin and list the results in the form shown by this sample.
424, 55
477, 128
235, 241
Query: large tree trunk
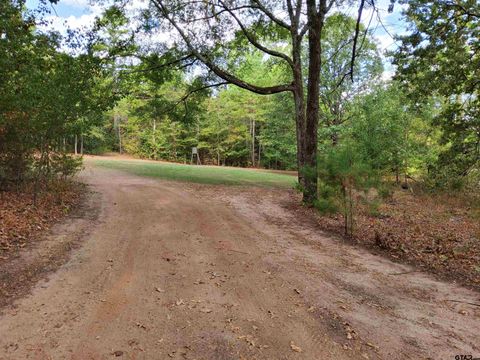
311, 124
300, 131
298, 98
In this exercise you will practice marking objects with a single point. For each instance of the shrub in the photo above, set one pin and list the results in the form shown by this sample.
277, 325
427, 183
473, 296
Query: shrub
344, 174
326, 205
65, 165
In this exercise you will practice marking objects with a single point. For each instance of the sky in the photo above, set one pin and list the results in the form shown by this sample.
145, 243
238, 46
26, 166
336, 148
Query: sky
79, 13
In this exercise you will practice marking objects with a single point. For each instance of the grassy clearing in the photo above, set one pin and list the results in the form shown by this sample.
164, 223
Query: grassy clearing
201, 174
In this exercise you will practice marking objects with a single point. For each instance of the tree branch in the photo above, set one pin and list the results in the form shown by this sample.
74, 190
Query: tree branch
355, 38
354, 48
188, 94
209, 86
170, 63
254, 42
214, 68
271, 15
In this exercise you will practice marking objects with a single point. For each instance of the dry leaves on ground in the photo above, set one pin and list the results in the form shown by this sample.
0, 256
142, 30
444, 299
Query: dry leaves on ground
439, 233
21, 220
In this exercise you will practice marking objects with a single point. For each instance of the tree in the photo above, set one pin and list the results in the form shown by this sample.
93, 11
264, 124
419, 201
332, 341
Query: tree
279, 30
391, 133
336, 95
441, 58
45, 95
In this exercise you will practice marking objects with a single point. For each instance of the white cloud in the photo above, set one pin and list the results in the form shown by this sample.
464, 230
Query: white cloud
73, 22
76, 3
387, 75
61, 24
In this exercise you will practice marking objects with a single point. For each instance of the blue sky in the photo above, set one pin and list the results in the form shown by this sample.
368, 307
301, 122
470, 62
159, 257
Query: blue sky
66, 8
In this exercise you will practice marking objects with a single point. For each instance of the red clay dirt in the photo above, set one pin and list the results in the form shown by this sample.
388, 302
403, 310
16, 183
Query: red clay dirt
181, 271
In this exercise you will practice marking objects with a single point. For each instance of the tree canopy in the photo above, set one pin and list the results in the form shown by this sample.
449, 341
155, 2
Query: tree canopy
440, 58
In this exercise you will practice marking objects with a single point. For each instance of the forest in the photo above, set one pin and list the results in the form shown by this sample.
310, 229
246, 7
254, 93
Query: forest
239, 179
421, 124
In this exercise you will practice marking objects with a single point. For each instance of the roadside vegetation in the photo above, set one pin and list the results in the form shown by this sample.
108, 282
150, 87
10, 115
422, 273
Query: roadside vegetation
437, 232
393, 163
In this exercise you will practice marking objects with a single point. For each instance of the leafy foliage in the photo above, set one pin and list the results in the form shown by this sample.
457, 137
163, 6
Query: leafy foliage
440, 57
344, 172
45, 96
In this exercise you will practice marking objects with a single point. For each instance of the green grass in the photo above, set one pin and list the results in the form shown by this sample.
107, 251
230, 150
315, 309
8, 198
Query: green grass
201, 174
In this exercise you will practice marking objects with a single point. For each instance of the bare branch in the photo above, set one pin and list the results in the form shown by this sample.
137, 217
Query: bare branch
167, 64
355, 38
355, 52
290, 12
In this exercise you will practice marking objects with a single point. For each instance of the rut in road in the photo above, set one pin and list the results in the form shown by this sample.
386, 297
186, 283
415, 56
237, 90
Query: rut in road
180, 271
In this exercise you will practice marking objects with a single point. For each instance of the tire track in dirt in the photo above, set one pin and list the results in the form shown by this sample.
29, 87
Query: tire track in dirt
176, 271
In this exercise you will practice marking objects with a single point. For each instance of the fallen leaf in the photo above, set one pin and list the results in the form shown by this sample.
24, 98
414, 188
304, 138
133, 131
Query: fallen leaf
295, 347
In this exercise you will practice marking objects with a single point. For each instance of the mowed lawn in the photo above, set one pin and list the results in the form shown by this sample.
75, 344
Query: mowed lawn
200, 174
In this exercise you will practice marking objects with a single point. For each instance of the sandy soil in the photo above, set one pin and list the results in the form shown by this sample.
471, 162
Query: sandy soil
181, 271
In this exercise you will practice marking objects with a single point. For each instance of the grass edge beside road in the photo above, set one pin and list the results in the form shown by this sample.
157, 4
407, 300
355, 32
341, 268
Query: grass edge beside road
213, 175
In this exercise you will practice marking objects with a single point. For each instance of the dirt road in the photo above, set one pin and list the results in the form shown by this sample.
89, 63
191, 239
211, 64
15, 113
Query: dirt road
181, 271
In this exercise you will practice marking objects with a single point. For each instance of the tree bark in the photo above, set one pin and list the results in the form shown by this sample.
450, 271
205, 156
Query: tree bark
259, 153
315, 20
300, 132
298, 98
253, 143
120, 140
154, 141
76, 141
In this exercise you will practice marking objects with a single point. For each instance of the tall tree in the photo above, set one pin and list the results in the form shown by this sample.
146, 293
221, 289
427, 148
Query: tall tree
336, 95
209, 31
44, 94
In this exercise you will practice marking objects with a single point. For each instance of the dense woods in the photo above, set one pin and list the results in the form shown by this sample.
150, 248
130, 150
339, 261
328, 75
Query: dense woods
276, 85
